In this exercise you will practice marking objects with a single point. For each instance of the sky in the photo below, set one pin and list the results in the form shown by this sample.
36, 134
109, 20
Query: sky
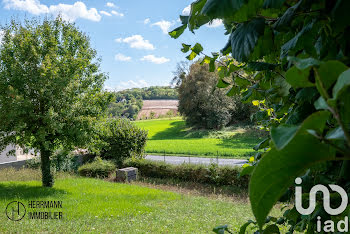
130, 36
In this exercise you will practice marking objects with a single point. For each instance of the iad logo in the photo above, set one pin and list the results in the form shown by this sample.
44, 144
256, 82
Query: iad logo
329, 226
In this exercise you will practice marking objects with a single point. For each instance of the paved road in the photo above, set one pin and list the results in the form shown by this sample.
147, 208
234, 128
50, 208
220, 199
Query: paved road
196, 160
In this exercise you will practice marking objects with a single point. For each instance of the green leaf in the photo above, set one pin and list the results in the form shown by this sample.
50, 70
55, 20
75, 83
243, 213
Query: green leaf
212, 65
242, 83
222, 83
197, 48
178, 31
271, 229
205, 60
246, 171
299, 78
282, 135
261, 66
221, 8
244, 38
327, 74
191, 56
292, 43
273, 4
277, 169
184, 19
343, 81
262, 144
321, 104
303, 63
185, 48
233, 91
244, 227
287, 17
197, 19
220, 229
335, 134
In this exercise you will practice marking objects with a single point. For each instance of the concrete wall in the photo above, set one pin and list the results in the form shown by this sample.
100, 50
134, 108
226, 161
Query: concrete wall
5, 158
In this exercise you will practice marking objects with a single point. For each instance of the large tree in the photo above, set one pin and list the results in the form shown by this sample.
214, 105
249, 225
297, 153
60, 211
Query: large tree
50, 88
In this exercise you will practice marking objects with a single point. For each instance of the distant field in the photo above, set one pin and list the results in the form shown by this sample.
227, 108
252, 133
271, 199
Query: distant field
159, 107
173, 137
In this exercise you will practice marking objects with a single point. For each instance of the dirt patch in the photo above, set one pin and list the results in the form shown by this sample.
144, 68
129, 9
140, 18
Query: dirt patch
158, 108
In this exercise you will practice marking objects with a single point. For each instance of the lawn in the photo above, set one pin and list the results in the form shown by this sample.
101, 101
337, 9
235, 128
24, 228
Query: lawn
173, 137
97, 206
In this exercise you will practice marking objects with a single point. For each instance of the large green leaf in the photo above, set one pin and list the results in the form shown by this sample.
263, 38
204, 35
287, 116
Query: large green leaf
197, 48
342, 82
282, 135
299, 78
178, 31
221, 8
197, 19
277, 169
261, 66
304, 63
287, 17
244, 38
292, 43
327, 74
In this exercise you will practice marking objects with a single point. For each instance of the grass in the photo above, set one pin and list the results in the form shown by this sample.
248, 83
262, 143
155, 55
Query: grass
172, 137
98, 206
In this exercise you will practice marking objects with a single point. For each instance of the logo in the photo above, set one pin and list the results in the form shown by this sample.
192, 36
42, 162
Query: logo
329, 225
15, 211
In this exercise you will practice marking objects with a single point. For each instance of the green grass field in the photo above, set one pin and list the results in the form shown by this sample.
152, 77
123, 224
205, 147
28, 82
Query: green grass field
173, 137
97, 206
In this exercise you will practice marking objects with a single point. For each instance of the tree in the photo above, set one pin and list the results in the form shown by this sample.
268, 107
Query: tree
50, 88
291, 58
200, 101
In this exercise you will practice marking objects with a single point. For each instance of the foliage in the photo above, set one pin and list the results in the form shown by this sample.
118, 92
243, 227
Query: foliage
173, 137
200, 102
290, 58
61, 160
50, 88
90, 204
98, 168
120, 139
207, 174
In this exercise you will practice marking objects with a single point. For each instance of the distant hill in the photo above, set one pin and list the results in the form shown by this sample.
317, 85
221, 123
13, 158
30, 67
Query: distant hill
158, 108
129, 102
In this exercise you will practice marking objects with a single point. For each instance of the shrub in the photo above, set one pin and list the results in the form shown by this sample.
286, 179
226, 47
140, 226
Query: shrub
207, 174
121, 139
98, 168
61, 160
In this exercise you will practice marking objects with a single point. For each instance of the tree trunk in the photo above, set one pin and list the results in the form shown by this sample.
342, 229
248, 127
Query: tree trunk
47, 177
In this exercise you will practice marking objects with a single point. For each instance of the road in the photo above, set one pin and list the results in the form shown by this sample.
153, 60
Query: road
196, 160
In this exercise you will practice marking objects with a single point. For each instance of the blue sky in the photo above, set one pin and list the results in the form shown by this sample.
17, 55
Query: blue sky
129, 35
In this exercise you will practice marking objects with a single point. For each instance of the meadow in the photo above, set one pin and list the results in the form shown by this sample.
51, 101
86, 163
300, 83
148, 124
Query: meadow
172, 137
98, 206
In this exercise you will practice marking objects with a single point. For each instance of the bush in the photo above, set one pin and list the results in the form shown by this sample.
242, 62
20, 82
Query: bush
98, 168
121, 139
205, 174
61, 160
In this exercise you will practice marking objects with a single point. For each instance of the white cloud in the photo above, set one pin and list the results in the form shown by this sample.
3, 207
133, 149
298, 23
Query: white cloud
147, 21
164, 25
122, 57
137, 42
105, 13
153, 59
187, 10
131, 84
215, 23
68, 12
110, 4
117, 13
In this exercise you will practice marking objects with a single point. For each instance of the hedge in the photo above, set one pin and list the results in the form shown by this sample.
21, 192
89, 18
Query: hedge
206, 174
98, 168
